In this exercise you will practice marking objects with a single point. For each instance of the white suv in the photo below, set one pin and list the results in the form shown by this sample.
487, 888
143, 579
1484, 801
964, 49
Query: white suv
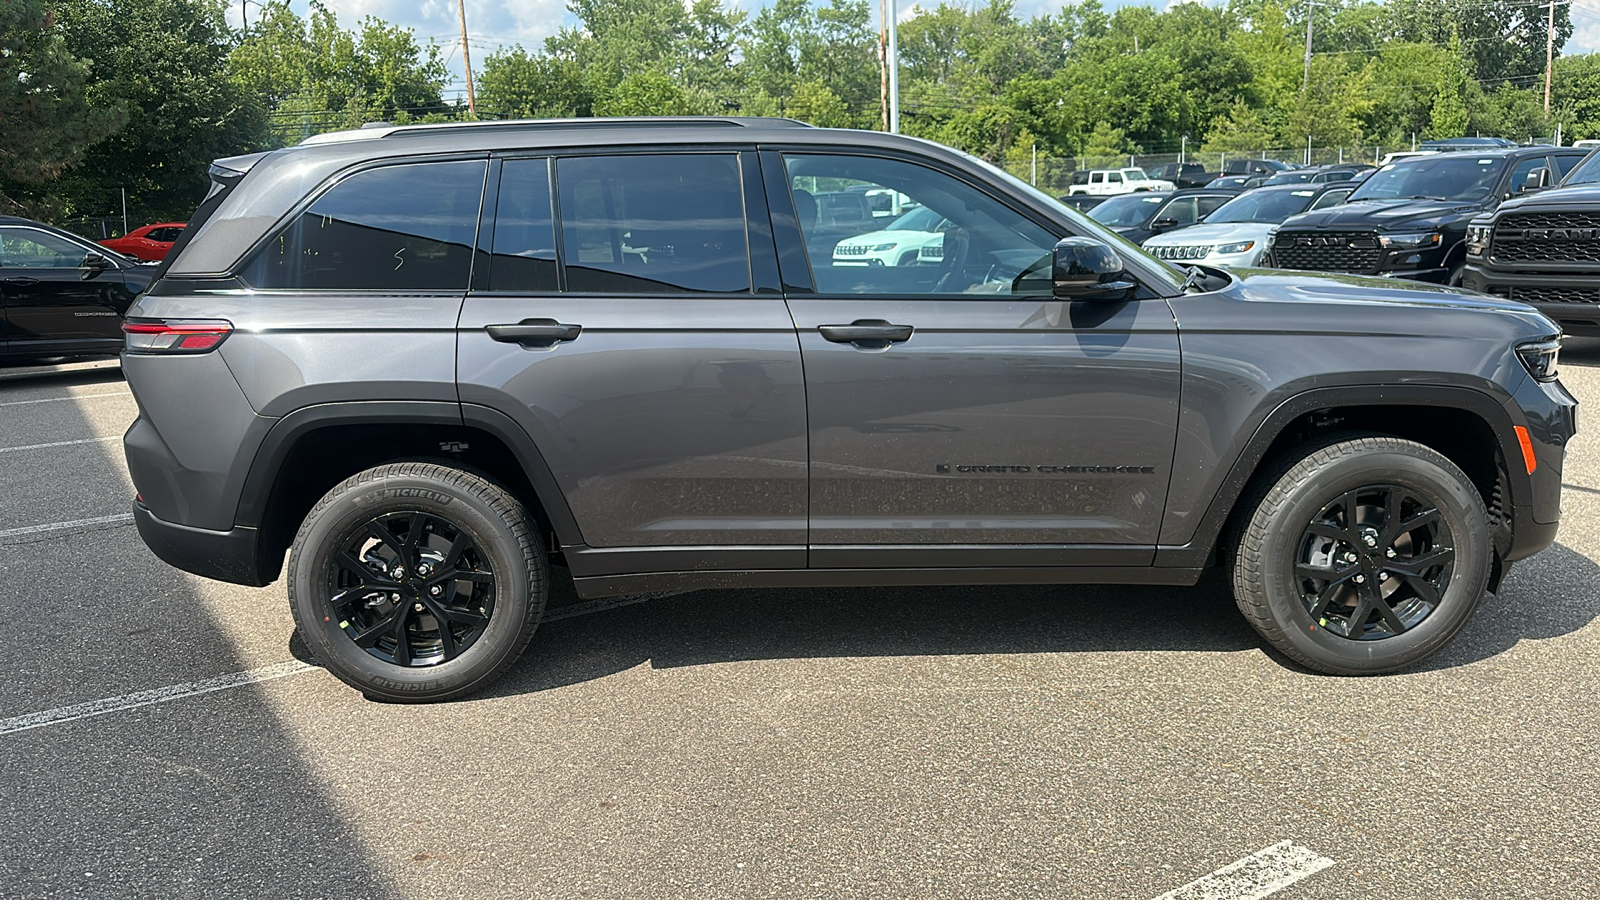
1104, 182
912, 239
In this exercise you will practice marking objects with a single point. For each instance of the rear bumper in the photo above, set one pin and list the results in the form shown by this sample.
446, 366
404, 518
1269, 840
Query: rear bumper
223, 555
1577, 317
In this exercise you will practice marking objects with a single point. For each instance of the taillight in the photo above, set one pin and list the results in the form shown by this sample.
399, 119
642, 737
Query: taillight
175, 335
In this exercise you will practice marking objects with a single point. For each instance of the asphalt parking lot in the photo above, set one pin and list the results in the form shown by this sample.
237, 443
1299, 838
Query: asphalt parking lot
950, 742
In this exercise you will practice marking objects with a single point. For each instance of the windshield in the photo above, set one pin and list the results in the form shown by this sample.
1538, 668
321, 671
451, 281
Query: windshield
1455, 176
919, 219
1289, 178
1587, 172
1262, 206
1127, 211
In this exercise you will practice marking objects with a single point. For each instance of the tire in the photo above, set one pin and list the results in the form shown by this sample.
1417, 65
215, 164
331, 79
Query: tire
370, 601
1303, 568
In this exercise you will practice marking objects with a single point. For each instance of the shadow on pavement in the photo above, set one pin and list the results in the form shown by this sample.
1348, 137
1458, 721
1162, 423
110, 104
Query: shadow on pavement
202, 797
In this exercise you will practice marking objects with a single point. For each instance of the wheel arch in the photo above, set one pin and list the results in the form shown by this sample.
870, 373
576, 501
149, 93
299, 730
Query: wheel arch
324, 444
1466, 426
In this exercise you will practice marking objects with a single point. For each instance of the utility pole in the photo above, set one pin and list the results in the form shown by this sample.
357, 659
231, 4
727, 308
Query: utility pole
1305, 80
466, 59
893, 27
1549, 55
883, 61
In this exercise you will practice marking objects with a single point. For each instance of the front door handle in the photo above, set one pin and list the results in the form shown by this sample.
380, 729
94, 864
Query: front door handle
22, 279
868, 334
535, 332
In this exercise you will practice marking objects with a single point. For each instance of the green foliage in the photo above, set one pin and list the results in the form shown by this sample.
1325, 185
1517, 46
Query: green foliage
314, 76
646, 94
1450, 118
45, 113
513, 84
1575, 95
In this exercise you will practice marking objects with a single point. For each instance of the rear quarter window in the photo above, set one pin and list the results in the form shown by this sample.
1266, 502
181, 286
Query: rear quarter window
404, 227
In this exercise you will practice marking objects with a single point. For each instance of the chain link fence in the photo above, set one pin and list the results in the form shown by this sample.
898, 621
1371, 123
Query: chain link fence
1053, 174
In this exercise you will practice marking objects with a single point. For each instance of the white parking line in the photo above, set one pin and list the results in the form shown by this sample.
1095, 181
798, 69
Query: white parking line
59, 444
63, 526
151, 697
59, 399
1257, 875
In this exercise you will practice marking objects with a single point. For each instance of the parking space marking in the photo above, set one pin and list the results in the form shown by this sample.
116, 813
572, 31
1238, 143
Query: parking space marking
63, 526
1257, 875
59, 399
100, 440
148, 698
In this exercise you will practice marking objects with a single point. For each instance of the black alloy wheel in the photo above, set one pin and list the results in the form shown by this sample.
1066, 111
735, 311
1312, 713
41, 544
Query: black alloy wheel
1374, 563
412, 588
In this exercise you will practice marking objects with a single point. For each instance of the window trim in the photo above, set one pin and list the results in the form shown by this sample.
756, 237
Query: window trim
236, 270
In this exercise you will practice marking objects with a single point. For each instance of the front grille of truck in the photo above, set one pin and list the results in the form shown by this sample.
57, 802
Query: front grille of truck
1589, 296
1547, 237
1187, 251
1328, 251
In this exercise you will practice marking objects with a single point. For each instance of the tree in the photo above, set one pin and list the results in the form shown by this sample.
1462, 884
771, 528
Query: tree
1449, 119
1242, 129
1575, 95
45, 114
512, 84
816, 103
646, 94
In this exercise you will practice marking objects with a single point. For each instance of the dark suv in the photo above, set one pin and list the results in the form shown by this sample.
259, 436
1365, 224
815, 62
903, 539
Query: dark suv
1544, 249
61, 295
429, 362
1409, 218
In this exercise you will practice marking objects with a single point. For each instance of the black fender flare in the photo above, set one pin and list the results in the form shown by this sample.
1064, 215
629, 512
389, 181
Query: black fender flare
266, 467
1198, 550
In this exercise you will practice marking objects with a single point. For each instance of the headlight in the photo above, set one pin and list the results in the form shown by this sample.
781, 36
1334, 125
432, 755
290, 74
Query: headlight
1540, 358
1241, 247
1419, 241
1478, 239
882, 247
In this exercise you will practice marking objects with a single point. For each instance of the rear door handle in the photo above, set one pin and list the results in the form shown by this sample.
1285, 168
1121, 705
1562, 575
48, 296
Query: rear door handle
22, 279
535, 332
868, 334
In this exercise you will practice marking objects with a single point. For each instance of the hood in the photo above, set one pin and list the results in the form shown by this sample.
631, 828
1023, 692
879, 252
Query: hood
1335, 303
883, 237
1223, 233
1388, 215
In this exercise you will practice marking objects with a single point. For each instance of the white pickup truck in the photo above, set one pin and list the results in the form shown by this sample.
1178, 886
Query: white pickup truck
1104, 182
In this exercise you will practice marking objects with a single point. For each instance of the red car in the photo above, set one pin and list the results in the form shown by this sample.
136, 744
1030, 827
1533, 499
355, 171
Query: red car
149, 243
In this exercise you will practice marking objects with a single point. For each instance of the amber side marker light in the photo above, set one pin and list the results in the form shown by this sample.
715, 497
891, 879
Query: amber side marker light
1528, 459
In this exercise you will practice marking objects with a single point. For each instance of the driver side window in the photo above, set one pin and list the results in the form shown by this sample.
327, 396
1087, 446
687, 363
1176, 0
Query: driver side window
28, 248
932, 234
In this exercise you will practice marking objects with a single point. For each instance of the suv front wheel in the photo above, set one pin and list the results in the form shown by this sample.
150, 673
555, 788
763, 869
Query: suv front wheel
417, 581
1366, 555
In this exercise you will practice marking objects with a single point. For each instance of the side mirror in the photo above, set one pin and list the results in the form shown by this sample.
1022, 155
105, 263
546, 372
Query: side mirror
1085, 269
93, 264
1537, 179
1166, 223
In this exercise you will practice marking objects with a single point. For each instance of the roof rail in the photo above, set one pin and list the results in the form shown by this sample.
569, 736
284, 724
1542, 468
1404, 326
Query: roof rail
374, 130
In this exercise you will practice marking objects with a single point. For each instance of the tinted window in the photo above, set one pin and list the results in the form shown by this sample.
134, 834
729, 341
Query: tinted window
31, 248
397, 228
1564, 165
1587, 173
164, 235
524, 232
1183, 210
964, 242
1209, 205
1519, 175
653, 224
1332, 198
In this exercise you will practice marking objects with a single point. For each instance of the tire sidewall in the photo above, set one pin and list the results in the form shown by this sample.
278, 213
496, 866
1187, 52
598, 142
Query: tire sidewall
312, 568
1460, 508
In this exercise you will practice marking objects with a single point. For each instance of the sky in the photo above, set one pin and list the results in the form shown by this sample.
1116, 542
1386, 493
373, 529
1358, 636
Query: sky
492, 24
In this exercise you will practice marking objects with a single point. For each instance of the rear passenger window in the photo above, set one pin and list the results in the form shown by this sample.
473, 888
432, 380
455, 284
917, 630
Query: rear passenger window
653, 224
398, 228
1564, 164
524, 231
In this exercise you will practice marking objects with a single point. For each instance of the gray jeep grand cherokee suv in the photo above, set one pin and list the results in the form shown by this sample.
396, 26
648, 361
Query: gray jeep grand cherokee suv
431, 362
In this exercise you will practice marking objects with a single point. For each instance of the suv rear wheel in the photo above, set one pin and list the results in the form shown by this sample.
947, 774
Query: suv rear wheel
1364, 556
417, 581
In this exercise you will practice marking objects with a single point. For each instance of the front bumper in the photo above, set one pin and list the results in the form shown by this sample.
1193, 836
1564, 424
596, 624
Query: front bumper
231, 556
1550, 414
1578, 315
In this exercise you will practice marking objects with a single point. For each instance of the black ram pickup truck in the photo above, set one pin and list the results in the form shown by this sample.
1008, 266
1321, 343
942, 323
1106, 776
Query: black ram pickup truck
1544, 249
1184, 175
1409, 219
